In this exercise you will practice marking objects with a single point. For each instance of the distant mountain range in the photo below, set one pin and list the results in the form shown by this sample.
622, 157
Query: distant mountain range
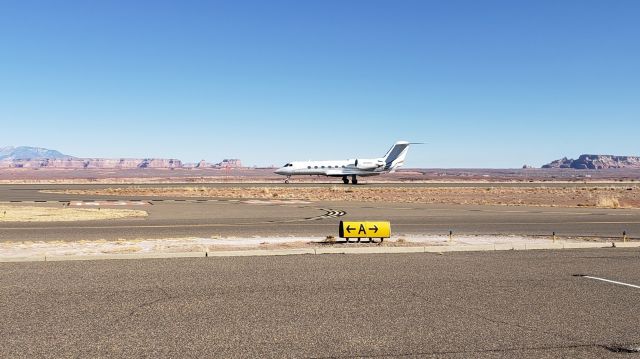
27, 153
36, 157
596, 162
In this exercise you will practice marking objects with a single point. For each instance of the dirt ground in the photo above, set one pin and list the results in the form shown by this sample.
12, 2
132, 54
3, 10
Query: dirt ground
266, 175
9, 249
603, 197
20, 213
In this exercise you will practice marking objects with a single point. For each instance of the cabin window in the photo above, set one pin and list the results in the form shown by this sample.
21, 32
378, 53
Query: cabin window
342, 166
309, 167
315, 166
322, 167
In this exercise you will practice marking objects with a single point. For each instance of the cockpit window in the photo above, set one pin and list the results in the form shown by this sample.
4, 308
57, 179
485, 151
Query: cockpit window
288, 165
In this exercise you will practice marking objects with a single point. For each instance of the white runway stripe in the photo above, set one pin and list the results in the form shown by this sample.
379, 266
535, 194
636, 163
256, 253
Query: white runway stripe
612, 281
331, 213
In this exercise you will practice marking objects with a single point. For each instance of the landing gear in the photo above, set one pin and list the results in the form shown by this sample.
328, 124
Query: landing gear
345, 179
287, 179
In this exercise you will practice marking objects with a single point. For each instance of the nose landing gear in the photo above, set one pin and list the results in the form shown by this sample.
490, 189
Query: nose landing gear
287, 179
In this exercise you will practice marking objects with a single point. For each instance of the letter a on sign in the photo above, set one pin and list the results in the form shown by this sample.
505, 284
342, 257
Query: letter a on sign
368, 229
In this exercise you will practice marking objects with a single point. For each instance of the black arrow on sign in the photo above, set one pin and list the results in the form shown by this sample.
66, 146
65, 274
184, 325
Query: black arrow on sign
349, 229
374, 229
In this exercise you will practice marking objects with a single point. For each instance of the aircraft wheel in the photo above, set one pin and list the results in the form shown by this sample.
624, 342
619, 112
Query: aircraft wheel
354, 180
345, 180
286, 181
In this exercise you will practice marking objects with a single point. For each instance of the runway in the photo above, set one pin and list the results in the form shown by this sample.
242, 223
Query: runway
207, 217
456, 305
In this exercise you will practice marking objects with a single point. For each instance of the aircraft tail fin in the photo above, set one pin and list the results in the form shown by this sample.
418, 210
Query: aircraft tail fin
396, 155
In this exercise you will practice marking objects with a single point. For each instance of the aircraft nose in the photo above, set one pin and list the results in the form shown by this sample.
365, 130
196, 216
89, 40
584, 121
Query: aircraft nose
280, 171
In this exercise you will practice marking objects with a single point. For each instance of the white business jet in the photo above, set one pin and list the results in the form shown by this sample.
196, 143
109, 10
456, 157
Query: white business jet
355, 167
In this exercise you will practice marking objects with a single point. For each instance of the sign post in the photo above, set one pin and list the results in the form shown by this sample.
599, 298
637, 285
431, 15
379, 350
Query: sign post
367, 229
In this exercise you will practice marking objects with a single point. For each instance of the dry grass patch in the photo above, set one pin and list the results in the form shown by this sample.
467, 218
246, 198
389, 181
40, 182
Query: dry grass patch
330, 239
611, 197
608, 202
55, 214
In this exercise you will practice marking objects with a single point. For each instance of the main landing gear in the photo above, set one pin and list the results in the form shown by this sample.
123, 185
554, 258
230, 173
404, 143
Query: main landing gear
345, 179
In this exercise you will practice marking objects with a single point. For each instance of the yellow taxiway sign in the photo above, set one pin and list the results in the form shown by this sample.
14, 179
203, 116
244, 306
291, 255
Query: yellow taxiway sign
368, 229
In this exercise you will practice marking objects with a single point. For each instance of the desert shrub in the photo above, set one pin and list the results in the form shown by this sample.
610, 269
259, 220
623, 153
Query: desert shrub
607, 202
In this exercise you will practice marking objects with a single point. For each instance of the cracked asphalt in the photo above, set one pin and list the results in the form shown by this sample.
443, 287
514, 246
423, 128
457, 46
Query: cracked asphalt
458, 305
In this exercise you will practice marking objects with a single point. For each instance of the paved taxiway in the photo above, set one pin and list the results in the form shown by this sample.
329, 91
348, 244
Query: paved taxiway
207, 217
507, 304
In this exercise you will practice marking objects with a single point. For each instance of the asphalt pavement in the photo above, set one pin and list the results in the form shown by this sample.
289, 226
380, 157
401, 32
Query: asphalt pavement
458, 305
171, 217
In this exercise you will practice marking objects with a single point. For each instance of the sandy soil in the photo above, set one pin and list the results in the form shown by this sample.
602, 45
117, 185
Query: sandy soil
16, 213
181, 245
611, 197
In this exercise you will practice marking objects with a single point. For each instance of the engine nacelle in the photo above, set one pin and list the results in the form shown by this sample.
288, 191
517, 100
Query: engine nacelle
369, 164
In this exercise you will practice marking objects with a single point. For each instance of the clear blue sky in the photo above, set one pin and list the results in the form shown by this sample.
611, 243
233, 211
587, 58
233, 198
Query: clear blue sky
485, 83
